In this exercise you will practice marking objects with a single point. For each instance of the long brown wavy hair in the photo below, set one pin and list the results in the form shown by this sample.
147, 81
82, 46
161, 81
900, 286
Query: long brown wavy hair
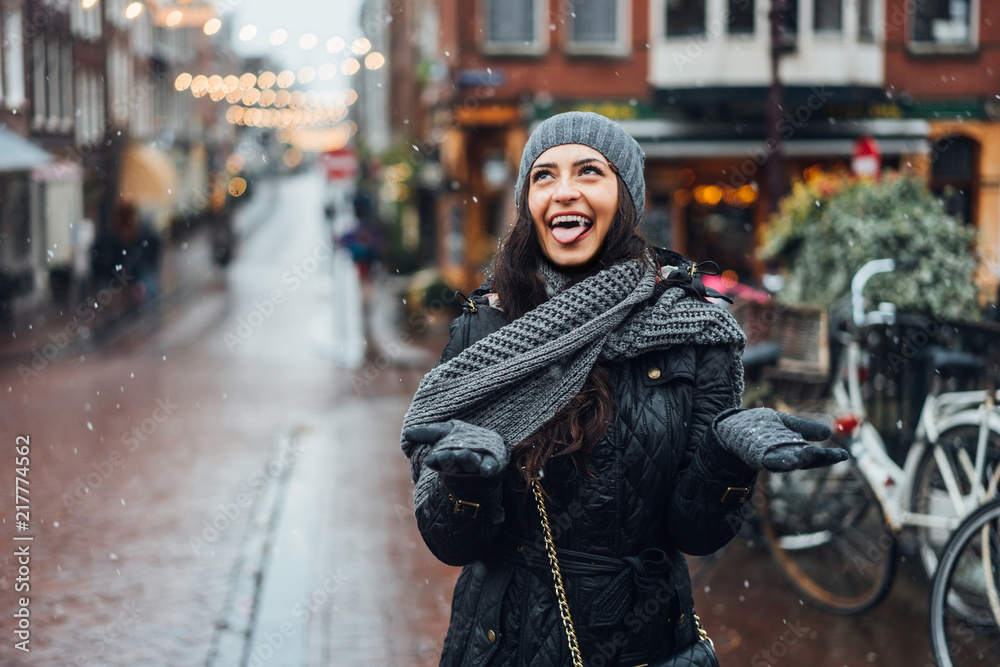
580, 424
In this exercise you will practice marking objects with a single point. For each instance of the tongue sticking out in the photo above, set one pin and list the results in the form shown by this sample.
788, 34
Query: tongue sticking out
569, 234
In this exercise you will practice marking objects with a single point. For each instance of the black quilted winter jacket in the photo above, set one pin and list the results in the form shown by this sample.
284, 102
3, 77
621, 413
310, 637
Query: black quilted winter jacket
659, 488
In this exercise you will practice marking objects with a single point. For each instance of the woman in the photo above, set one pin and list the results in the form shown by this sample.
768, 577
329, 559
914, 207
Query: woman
592, 369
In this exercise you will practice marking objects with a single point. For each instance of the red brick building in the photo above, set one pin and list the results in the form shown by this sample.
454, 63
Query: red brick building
942, 64
512, 62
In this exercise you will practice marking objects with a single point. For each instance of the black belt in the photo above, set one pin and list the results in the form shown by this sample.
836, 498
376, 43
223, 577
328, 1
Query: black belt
635, 576
635, 580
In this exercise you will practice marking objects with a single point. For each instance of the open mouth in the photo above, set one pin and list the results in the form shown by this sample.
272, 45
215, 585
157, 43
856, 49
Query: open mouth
570, 227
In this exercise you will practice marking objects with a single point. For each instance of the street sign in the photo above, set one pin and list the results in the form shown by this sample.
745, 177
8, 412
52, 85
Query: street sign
341, 165
866, 158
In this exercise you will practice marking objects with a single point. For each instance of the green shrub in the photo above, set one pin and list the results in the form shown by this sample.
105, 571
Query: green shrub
826, 230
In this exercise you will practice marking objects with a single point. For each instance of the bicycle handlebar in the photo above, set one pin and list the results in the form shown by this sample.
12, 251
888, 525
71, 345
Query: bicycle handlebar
858, 285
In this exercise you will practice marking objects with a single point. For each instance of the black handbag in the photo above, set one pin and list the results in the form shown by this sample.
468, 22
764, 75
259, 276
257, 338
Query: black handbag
699, 654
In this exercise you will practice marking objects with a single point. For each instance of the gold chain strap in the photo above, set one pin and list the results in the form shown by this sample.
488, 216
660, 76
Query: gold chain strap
703, 633
550, 549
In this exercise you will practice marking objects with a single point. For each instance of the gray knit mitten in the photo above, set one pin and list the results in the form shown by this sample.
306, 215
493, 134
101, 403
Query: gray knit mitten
766, 439
461, 449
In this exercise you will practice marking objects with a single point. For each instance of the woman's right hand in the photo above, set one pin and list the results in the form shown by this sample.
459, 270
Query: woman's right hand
461, 449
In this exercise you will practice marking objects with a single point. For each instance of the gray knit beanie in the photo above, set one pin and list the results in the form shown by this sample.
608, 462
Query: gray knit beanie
598, 132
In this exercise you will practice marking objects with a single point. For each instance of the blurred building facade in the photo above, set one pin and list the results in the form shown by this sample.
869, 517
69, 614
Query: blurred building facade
690, 80
943, 65
87, 89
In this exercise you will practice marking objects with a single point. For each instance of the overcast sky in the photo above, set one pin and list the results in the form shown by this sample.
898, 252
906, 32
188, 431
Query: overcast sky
325, 19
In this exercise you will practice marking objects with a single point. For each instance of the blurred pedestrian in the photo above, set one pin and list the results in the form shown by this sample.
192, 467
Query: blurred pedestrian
220, 220
82, 236
582, 429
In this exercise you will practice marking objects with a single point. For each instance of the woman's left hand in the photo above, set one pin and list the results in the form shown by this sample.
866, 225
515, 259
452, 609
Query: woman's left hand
461, 449
766, 439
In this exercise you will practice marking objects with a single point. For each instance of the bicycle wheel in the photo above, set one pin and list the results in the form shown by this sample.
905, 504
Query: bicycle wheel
968, 579
828, 535
930, 495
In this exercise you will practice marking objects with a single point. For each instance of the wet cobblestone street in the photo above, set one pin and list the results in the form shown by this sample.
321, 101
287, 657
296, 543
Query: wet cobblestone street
221, 490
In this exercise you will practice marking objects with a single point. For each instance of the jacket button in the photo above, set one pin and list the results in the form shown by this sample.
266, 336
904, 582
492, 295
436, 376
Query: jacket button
492, 636
653, 373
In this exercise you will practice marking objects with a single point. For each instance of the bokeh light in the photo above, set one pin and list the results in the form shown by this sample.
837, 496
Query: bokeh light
87, 4
174, 18
248, 32
279, 36
133, 10
361, 46
248, 80
374, 60
266, 80
292, 157
266, 98
182, 81
335, 45
212, 26
199, 85
234, 114
235, 162
350, 66
308, 41
286, 78
327, 71
306, 74
237, 186
251, 96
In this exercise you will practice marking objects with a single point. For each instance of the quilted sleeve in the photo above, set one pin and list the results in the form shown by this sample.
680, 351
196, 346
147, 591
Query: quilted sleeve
710, 499
458, 520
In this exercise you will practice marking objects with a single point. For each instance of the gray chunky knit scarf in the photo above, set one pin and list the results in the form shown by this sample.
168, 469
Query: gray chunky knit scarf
517, 378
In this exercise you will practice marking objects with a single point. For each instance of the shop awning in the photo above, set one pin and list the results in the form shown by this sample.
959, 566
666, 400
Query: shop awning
681, 139
61, 170
148, 176
18, 153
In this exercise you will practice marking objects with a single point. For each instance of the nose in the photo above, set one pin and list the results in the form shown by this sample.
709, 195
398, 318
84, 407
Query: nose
566, 190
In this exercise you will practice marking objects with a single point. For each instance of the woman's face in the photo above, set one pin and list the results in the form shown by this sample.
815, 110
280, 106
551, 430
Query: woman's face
572, 198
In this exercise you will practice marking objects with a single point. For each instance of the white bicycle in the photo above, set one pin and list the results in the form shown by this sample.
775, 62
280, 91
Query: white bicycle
834, 531
965, 596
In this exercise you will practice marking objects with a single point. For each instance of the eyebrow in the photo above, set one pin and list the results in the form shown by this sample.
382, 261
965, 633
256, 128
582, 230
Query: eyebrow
552, 165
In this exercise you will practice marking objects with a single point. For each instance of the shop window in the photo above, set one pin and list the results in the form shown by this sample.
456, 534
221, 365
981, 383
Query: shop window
954, 175
685, 17
866, 20
943, 25
597, 27
723, 234
788, 23
515, 26
740, 17
827, 15
15, 219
